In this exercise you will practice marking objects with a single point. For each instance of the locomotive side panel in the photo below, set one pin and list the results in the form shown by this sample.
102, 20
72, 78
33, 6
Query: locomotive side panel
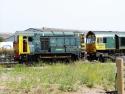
110, 43
56, 45
120, 43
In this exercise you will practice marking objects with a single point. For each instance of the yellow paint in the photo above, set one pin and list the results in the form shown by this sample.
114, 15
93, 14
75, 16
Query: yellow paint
83, 46
82, 42
110, 48
21, 46
100, 46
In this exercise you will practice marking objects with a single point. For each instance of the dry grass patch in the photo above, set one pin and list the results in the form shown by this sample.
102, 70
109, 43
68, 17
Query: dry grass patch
57, 78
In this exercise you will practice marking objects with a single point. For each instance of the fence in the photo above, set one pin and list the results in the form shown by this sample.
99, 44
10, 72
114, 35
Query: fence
120, 81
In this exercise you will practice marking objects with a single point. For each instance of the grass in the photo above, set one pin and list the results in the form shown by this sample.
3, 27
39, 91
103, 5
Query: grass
62, 77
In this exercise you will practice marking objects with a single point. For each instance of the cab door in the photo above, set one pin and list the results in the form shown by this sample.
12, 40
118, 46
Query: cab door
23, 45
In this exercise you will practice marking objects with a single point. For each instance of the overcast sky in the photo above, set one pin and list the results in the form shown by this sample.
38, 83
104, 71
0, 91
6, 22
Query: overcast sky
17, 15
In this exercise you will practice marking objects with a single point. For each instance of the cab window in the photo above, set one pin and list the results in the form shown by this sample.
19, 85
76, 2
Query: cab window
30, 39
99, 40
90, 40
104, 40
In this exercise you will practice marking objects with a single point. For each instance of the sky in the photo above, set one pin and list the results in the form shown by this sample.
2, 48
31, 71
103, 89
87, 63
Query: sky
18, 15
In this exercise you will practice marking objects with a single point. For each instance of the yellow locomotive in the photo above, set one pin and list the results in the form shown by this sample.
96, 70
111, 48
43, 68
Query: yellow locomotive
105, 44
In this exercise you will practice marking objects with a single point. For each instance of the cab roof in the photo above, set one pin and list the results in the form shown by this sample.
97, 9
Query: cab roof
104, 33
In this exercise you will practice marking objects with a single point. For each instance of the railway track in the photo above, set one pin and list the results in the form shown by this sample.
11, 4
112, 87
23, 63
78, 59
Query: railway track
7, 59
8, 64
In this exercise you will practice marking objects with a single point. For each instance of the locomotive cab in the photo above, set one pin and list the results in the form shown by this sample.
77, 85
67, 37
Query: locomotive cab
90, 43
23, 45
22, 49
100, 44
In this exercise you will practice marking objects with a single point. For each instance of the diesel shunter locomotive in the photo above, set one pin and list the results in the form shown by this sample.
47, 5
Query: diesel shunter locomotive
39, 45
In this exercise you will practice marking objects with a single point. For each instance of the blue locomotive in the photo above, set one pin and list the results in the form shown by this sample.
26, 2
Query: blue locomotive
37, 44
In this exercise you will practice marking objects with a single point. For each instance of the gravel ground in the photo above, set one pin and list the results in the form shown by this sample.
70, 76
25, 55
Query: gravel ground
83, 90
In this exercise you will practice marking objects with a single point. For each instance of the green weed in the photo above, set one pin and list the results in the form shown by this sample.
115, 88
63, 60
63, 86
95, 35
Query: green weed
68, 77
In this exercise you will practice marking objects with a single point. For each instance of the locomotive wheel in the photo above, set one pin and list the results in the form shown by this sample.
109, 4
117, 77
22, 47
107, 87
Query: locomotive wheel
92, 57
38, 59
101, 58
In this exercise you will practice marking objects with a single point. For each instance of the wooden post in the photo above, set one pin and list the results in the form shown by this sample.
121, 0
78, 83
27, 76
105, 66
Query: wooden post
120, 75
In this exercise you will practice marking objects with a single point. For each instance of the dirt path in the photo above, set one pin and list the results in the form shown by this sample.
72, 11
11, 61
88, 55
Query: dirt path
91, 91
85, 90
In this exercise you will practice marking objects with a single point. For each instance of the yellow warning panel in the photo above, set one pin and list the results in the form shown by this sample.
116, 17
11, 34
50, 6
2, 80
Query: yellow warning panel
100, 46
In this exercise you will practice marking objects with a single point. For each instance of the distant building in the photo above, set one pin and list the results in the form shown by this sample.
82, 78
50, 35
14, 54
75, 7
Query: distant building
10, 38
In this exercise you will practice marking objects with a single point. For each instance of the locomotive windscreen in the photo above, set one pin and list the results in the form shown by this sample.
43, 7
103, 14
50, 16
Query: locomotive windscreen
90, 39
